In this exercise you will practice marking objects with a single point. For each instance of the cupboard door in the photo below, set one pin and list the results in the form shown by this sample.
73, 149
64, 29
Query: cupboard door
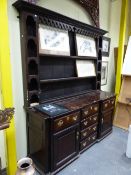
106, 122
65, 146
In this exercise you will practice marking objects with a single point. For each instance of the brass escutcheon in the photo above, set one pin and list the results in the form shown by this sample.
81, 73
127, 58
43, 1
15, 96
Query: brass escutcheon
75, 118
85, 134
106, 105
85, 112
96, 108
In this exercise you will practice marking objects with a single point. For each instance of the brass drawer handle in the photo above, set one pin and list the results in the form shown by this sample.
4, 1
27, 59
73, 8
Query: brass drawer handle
91, 108
85, 123
112, 102
94, 137
60, 123
86, 112
84, 144
89, 139
85, 134
95, 118
94, 128
96, 108
75, 118
106, 105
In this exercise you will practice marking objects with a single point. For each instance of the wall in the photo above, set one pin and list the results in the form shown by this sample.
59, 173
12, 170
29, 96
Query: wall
113, 28
15, 52
2, 141
68, 8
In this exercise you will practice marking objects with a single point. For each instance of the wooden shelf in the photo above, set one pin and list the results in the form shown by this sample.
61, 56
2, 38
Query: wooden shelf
64, 79
68, 57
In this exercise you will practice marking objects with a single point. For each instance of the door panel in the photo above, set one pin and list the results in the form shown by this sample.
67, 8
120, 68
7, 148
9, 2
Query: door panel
65, 146
106, 121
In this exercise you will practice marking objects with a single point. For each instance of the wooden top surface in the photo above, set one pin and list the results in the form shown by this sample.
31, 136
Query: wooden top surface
83, 100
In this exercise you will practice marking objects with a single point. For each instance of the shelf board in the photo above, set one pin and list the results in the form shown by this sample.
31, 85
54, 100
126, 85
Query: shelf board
64, 79
68, 57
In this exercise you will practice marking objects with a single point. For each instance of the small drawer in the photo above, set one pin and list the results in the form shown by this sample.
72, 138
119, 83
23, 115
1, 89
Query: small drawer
89, 110
85, 133
68, 120
88, 141
108, 104
89, 121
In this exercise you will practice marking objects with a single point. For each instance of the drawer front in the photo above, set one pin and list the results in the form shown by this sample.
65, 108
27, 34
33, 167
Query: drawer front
68, 120
89, 121
89, 110
85, 133
108, 104
91, 139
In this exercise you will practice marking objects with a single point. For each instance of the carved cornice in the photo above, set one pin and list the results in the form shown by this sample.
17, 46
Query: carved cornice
92, 7
5, 117
60, 21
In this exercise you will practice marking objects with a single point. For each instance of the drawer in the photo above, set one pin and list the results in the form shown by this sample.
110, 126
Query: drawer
85, 133
89, 110
89, 121
68, 120
88, 141
108, 104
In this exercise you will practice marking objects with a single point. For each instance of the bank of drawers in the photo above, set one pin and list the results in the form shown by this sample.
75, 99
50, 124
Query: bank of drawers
88, 131
88, 141
89, 125
88, 118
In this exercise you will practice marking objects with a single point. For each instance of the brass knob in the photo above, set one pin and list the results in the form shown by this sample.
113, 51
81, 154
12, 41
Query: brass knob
77, 135
75, 118
86, 112
60, 123
91, 107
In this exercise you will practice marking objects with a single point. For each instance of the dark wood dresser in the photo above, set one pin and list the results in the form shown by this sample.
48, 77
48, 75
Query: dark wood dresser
55, 140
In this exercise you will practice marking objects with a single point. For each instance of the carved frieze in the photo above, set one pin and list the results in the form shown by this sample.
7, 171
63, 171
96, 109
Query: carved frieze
92, 7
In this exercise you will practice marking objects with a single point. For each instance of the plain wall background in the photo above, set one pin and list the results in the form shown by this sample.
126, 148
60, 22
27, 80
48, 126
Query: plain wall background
109, 20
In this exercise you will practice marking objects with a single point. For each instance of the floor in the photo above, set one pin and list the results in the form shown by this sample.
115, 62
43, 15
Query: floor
104, 158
